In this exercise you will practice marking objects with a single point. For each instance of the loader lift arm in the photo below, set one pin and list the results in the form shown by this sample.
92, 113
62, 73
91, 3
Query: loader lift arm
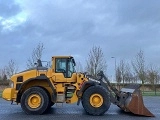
128, 98
104, 80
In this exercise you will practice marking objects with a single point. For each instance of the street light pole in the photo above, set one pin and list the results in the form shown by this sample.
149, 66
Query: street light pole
115, 65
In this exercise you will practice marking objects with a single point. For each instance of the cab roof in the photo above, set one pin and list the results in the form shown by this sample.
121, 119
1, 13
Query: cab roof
62, 57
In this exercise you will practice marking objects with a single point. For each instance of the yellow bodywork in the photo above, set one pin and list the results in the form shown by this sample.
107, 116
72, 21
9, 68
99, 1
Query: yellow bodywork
57, 80
8, 94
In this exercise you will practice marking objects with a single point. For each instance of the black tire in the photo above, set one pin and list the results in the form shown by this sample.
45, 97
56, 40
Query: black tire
29, 107
49, 107
51, 104
103, 106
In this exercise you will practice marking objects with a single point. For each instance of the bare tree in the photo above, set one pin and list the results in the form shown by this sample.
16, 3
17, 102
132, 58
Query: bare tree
128, 77
139, 67
152, 76
79, 67
122, 68
123, 73
36, 54
3, 75
96, 61
135, 78
11, 68
118, 77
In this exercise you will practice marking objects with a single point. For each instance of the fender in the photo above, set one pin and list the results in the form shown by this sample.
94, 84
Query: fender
85, 85
39, 78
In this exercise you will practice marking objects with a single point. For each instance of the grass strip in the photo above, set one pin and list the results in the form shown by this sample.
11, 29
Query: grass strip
150, 93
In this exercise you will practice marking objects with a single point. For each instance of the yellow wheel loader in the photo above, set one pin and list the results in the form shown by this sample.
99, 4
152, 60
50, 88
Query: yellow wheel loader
38, 88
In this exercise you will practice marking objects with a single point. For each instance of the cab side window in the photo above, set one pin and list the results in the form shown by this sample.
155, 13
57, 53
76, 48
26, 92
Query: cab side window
71, 69
65, 66
61, 66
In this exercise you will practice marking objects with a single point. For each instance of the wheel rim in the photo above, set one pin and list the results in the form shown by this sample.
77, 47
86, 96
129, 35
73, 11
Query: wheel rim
34, 101
96, 100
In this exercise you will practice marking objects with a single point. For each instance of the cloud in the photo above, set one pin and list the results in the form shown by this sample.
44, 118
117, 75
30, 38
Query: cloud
10, 12
120, 28
138, 12
9, 8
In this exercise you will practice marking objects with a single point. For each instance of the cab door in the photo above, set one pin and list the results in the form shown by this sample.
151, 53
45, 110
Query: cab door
60, 70
71, 73
65, 70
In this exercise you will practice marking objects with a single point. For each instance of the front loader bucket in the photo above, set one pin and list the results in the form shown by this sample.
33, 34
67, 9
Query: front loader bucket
128, 99
134, 101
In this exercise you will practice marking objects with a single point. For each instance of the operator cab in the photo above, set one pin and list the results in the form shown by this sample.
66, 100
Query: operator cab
65, 65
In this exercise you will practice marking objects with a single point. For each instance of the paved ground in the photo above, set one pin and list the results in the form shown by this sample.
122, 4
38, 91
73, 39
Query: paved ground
74, 112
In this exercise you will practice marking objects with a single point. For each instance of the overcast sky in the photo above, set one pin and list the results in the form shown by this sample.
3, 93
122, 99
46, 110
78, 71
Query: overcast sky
72, 27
